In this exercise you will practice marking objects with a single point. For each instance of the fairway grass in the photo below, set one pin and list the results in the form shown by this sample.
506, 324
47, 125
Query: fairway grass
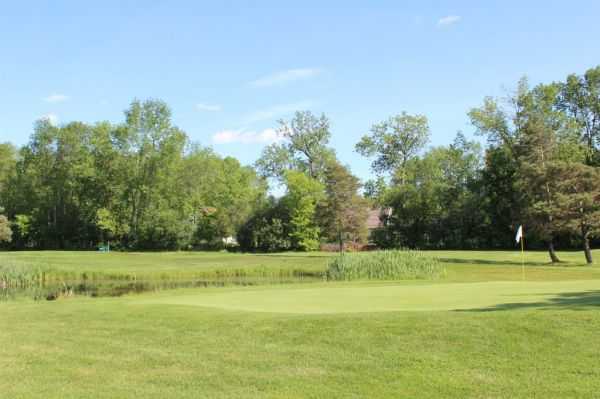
129, 347
481, 332
393, 298
181, 262
165, 262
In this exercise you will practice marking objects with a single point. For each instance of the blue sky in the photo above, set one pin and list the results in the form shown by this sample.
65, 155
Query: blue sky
229, 70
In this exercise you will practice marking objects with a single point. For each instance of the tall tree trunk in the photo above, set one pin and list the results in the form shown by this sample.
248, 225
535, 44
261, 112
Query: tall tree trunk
340, 241
587, 250
552, 252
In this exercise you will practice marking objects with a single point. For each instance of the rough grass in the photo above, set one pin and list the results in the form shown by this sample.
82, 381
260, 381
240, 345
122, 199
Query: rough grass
384, 265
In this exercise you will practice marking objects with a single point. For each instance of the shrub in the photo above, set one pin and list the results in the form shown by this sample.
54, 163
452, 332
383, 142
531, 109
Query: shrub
267, 230
5, 231
384, 265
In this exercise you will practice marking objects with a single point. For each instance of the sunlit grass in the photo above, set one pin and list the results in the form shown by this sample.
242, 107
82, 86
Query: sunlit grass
479, 332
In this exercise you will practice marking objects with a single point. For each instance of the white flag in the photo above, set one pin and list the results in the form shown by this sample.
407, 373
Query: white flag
519, 236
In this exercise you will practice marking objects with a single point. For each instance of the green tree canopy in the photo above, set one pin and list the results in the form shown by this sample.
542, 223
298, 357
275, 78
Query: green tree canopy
344, 211
580, 98
5, 230
394, 142
578, 201
303, 195
305, 147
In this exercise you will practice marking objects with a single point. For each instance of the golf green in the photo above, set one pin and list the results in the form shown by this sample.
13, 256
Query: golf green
390, 298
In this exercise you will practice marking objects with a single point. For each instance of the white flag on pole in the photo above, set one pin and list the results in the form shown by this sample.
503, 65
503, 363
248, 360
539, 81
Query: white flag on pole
519, 234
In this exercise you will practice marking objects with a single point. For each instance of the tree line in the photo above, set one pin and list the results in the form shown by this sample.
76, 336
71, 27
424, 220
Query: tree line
540, 168
142, 184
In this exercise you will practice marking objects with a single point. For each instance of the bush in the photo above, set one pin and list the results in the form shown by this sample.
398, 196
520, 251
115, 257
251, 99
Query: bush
384, 265
349, 246
266, 231
5, 231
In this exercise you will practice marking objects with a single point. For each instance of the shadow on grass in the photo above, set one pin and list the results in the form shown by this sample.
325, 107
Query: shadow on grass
286, 256
568, 300
496, 262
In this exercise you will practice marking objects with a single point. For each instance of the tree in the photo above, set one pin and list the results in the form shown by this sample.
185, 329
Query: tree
5, 231
21, 231
344, 211
304, 148
542, 126
8, 161
140, 183
394, 142
218, 194
7, 167
303, 195
501, 196
438, 206
578, 201
107, 224
530, 134
267, 230
580, 98
375, 190
53, 185
153, 150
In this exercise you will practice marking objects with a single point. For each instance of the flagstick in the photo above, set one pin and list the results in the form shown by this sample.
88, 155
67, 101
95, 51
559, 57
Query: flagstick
523, 257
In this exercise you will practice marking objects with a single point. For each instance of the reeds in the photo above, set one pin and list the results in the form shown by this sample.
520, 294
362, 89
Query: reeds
384, 265
43, 282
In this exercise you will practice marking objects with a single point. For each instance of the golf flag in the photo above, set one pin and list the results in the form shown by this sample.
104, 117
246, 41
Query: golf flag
519, 236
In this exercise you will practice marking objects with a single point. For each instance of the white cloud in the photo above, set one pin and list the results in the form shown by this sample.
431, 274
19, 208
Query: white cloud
51, 118
208, 107
246, 137
283, 77
56, 98
449, 20
277, 111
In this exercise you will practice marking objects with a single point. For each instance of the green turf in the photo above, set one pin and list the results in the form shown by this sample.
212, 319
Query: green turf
387, 298
480, 333
165, 262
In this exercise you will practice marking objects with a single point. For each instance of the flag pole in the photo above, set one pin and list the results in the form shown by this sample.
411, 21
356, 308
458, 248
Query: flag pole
523, 254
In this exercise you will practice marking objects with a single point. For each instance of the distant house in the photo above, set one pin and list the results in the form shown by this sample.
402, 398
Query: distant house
230, 241
377, 219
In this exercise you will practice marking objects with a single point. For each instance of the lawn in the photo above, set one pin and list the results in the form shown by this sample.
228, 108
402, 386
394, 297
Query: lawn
165, 262
480, 332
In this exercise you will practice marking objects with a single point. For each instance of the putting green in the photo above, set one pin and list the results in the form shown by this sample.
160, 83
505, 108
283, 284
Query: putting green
389, 298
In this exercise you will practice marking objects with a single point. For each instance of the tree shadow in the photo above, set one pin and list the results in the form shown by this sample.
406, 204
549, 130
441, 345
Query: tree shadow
495, 262
569, 300
287, 256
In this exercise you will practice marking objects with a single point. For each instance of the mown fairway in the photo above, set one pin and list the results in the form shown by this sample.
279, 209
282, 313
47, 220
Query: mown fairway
479, 332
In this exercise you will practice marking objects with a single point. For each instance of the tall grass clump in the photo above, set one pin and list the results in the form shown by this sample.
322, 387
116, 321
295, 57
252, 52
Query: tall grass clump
43, 282
19, 278
385, 265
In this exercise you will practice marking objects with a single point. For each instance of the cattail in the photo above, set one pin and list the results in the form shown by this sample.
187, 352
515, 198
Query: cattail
385, 265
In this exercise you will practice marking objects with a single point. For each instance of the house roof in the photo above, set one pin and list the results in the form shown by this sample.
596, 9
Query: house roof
376, 216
